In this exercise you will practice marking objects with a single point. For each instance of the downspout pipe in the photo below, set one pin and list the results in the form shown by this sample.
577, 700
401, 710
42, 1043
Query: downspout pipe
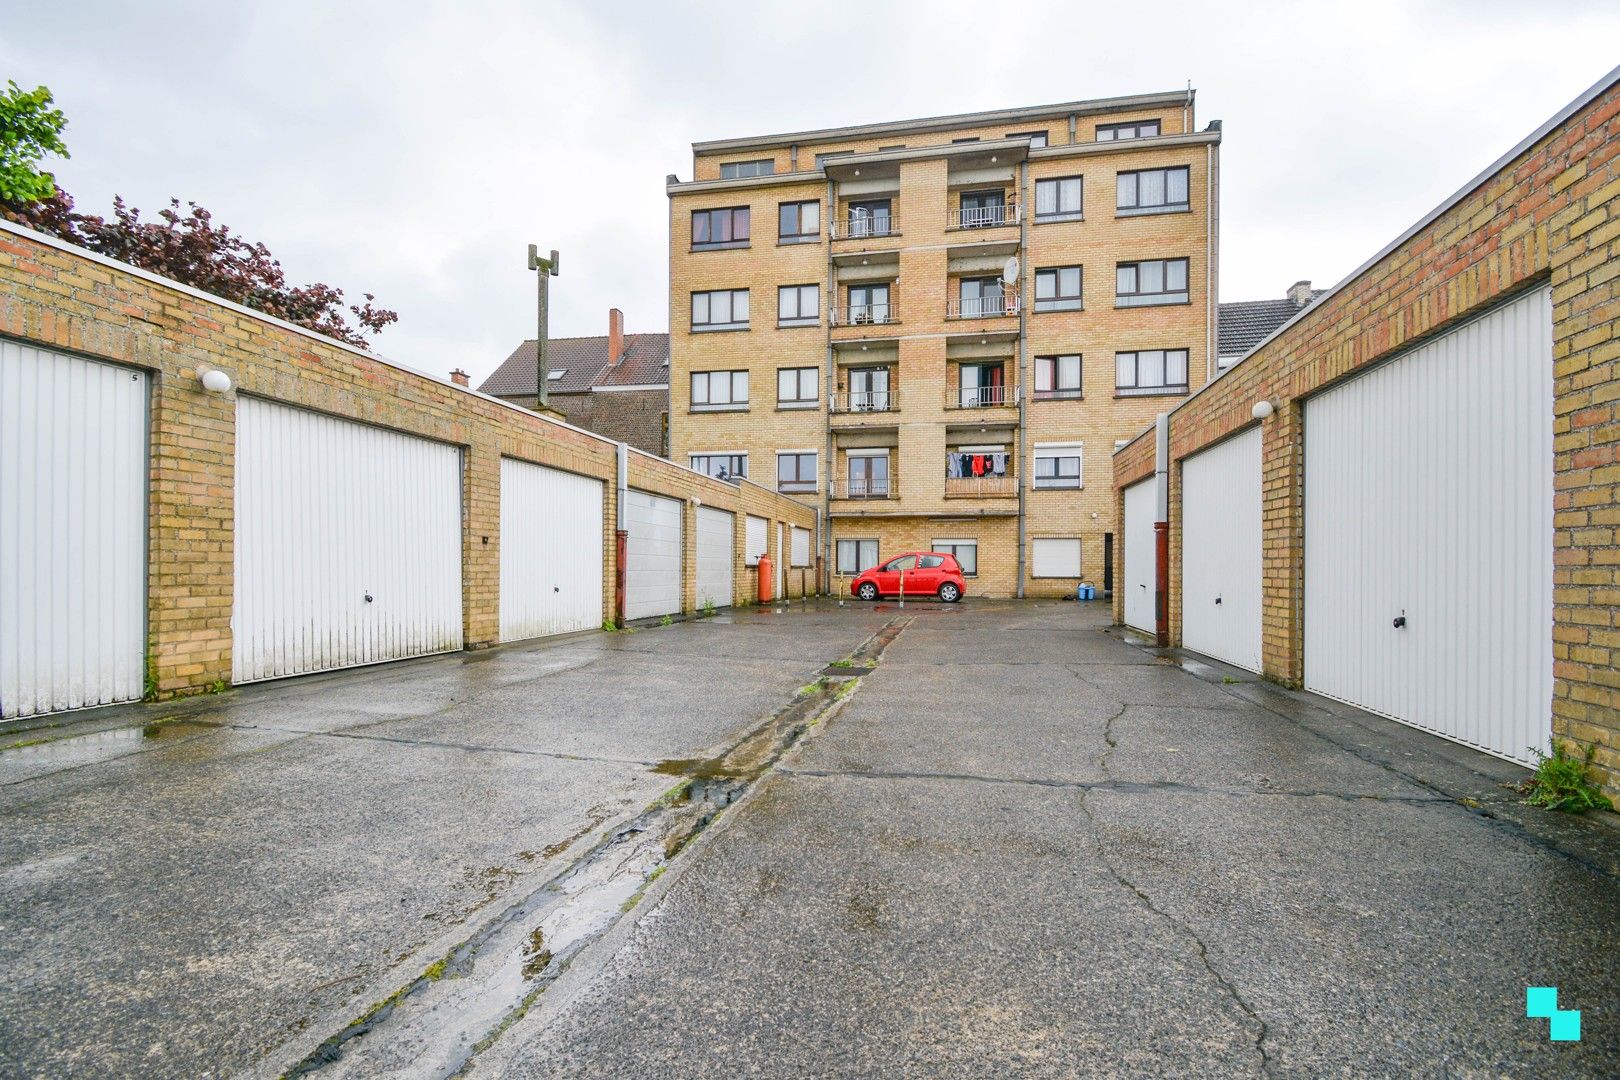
621, 535
1161, 530
1023, 374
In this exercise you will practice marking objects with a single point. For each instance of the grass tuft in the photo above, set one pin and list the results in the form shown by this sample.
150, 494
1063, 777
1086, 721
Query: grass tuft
1560, 781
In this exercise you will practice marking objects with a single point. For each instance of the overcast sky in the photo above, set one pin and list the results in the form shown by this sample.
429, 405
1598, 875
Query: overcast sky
415, 149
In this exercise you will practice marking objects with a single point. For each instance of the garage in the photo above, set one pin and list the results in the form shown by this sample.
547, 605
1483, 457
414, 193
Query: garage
716, 556
1141, 556
73, 481
551, 551
1221, 552
652, 555
1429, 536
348, 543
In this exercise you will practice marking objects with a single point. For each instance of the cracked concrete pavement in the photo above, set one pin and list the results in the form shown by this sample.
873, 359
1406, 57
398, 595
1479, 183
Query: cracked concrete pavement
1028, 847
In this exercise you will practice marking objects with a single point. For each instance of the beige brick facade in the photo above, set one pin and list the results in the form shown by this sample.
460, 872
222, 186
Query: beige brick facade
919, 337
58, 297
1550, 215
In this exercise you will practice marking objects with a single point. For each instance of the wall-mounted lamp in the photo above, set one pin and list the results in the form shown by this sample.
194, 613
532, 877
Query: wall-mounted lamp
1261, 410
214, 380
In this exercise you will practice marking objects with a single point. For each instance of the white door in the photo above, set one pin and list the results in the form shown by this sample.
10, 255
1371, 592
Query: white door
1141, 555
348, 543
716, 556
781, 563
753, 539
1429, 499
73, 482
1221, 552
652, 556
551, 551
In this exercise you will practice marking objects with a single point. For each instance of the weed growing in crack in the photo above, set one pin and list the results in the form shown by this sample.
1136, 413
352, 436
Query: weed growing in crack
1560, 781
667, 620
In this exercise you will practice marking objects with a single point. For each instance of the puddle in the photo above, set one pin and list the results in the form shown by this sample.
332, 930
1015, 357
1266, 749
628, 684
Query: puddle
97, 745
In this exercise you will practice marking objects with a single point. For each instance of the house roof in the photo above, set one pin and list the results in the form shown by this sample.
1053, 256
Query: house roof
1247, 323
584, 363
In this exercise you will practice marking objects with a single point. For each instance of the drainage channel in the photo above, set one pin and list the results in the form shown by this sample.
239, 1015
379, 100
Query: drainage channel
434, 1026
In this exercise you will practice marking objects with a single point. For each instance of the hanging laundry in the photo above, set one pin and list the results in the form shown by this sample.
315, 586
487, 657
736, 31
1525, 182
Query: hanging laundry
978, 464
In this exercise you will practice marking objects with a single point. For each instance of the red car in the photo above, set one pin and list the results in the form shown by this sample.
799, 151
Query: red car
927, 573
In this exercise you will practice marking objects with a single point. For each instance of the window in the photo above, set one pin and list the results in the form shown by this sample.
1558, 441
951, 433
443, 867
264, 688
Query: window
798, 305
1037, 139
982, 208
981, 298
798, 222
981, 384
869, 304
1057, 465
1057, 377
1151, 191
856, 555
1151, 371
930, 562
1059, 199
798, 387
896, 146
904, 562
726, 309
755, 530
1152, 281
1054, 557
719, 389
868, 475
556, 374
795, 470
869, 390
966, 553
721, 466
1136, 129
870, 218
714, 230
1057, 288
737, 170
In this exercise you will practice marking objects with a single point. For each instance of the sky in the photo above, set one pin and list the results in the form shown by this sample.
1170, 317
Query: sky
415, 150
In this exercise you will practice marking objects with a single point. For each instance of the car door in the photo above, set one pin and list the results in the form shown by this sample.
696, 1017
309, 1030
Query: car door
924, 581
888, 577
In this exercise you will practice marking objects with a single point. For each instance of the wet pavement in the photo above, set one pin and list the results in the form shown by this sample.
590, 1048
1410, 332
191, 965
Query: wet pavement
1026, 846
1000, 839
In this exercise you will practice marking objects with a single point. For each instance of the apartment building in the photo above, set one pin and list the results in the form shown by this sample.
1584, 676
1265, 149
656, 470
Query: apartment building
938, 329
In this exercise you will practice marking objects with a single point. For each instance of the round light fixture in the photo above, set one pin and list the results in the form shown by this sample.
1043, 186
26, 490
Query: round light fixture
215, 381
1261, 410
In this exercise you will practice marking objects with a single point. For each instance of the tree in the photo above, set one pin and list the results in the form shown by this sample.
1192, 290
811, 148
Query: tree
29, 129
184, 245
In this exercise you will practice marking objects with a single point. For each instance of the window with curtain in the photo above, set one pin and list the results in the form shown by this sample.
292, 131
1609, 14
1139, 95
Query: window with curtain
796, 472
798, 222
1151, 191
798, 387
856, 555
798, 305
719, 389
1150, 371
724, 309
1059, 199
1057, 377
723, 228
966, 553
1057, 288
1057, 466
1149, 282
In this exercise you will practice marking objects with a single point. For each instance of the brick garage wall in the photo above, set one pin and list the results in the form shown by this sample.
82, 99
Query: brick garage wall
1551, 215
59, 297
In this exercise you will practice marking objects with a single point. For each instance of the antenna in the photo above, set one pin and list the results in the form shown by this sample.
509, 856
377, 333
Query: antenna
1009, 270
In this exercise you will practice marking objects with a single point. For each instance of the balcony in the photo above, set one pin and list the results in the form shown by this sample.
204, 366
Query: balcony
865, 488
982, 307
863, 227
866, 315
980, 397
984, 217
981, 487
862, 402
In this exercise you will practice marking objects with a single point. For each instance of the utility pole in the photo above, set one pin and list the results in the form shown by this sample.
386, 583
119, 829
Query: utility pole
548, 270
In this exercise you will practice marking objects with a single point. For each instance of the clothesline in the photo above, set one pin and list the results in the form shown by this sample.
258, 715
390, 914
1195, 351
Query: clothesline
960, 465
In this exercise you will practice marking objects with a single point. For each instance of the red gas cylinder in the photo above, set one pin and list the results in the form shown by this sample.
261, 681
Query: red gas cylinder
765, 579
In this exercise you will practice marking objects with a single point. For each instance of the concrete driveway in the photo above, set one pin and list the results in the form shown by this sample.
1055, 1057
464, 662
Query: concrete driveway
1018, 844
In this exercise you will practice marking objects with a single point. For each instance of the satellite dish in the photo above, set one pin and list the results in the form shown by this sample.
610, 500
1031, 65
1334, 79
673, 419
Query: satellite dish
1009, 270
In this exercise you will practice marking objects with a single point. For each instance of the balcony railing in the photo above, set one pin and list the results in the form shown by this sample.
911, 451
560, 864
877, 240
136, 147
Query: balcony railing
862, 226
985, 217
980, 397
982, 307
866, 315
865, 401
865, 488
981, 486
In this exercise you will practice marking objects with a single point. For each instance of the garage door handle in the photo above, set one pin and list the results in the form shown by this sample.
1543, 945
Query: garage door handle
368, 598
556, 588
1217, 599
1400, 621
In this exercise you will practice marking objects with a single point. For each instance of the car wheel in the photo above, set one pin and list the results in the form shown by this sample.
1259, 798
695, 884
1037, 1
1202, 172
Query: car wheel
867, 591
949, 593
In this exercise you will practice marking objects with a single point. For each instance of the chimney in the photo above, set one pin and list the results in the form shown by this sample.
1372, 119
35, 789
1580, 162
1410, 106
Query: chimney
615, 335
460, 378
1300, 293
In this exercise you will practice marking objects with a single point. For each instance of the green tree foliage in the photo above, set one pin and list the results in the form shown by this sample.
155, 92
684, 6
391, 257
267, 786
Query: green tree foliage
29, 129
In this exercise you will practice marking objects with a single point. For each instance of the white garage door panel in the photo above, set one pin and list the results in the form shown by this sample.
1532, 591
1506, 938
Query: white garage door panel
73, 479
716, 544
551, 551
1221, 552
1055, 558
754, 541
652, 556
1141, 503
1428, 492
801, 546
329, 512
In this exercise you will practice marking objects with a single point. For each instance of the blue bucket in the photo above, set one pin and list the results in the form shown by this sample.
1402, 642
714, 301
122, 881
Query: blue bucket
1085, 592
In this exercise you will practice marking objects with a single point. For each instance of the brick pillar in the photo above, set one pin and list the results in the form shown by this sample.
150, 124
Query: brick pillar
1282, 494
481, 545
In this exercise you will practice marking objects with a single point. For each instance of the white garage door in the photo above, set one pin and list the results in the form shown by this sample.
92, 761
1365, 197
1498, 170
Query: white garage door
1220, 551
348, 543
652, 556
1055, 557
1141, 555
551, 551
73, 478
1428, 498
716, 556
